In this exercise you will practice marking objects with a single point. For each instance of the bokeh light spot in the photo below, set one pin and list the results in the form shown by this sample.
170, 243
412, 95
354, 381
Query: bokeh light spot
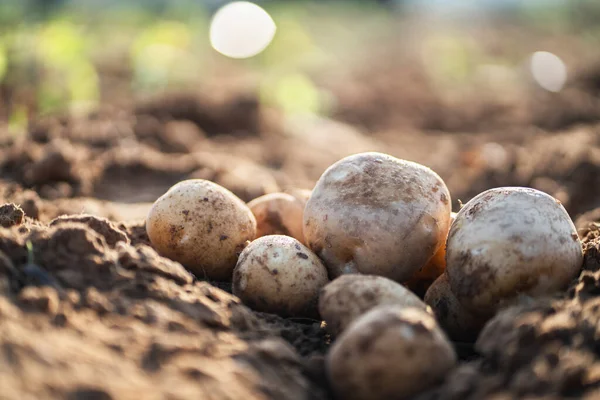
241, 30
548, 70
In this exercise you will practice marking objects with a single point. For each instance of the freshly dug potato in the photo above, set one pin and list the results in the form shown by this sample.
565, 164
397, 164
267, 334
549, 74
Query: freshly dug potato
280, 275
389, 353
350, 296
435, 267
278, 214
510, 241
458, 323
374, 214
301, 195
201, 225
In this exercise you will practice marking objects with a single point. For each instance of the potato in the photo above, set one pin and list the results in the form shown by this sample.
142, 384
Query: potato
435, 267
350, 296
278, 214
458, 323
389, 353
301, 195
201, 225
374, 214
510, 241
280, 275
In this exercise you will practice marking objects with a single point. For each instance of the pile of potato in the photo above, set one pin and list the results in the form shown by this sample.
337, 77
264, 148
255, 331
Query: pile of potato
350, 251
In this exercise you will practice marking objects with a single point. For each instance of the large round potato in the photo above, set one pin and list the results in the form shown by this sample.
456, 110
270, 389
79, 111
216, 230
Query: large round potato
507, 242
389, 353
201, 225
374, 214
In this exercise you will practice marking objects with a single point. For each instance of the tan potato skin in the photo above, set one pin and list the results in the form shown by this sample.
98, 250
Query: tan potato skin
201, 225
507, 242
435, 267
457, 321
374, 214
348, 297
301, 195
278, 214
389, 353
278, 274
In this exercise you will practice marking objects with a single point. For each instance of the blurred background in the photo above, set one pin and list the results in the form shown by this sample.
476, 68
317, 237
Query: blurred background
130, 96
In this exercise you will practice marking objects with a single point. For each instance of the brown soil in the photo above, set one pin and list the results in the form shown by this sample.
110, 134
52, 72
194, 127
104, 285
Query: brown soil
88, 310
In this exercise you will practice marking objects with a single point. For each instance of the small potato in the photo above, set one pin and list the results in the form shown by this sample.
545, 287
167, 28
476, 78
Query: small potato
280, 275
389, 353
374, 214
350, 296
201, 225
435, 267
246, 179
301, 195
457, 321
507, 242
278, 214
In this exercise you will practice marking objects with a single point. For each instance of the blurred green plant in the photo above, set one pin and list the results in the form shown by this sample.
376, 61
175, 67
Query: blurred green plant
17, 123
71, 78
293, 93
53, 53
161, 55
3, 61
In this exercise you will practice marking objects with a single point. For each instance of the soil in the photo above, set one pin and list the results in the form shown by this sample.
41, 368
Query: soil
88, 310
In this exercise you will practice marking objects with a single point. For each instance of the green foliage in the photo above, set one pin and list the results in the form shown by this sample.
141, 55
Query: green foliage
53, 50
293, 93
3, 62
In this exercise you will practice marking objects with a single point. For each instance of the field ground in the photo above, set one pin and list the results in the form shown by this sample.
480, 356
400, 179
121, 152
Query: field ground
88, 310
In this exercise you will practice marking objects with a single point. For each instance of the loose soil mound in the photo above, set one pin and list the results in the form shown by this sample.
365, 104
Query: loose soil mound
89, 310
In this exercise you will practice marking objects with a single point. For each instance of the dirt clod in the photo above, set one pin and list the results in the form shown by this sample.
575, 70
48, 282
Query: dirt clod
11, 215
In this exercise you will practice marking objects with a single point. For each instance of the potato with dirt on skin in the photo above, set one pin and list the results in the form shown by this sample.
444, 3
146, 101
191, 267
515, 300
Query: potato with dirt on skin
507, 242
435, 267
301, 195
389, 353
278, 274
201, 225
458, 323
348, 297
374, 214
278, 214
